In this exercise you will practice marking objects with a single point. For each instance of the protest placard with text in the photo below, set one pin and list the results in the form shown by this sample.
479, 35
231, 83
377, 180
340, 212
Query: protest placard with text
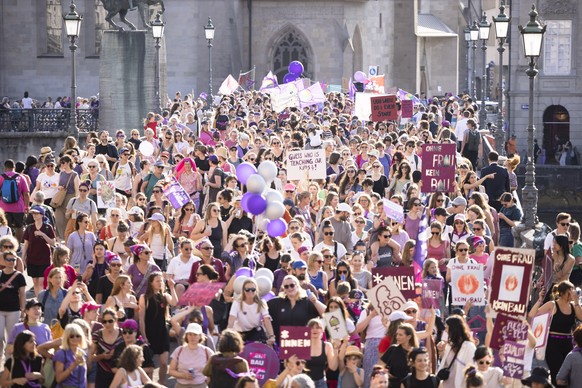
507, 328
407, 108
393, 210
263, 361
386, 297
467, 284
513, 365
540, 327
200, 294
295, 340
175, 193
432, 291
384, 108
306, 164
105, 194
402, 276
438, 167
335, 323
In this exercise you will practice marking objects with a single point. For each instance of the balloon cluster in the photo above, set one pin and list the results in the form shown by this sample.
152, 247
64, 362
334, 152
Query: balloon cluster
264, 278
259, 198
360, 76
295, 70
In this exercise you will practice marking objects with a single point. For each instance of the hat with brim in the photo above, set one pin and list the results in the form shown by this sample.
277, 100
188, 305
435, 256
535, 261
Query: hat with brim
353, 351
157, 217
194, 328
31, 303
538, 375
45, 151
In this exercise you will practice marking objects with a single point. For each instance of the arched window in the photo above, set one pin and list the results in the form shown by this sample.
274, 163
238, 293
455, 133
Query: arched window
54, 28
291, 47
556, 131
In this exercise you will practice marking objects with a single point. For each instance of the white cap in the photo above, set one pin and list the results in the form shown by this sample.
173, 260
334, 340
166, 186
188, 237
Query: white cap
194, 328
397, 315
157, 217
344, 207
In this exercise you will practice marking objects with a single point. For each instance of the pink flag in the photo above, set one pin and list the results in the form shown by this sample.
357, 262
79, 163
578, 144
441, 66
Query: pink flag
229, 85
312, 95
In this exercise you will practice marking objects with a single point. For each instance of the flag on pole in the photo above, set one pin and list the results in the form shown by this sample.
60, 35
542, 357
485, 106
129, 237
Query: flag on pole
269, 82
420, 249
247, 80
229, 85
404, 95
312, 95
351, 89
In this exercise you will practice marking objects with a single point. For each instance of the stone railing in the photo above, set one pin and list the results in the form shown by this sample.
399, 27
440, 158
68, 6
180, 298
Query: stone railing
47, 120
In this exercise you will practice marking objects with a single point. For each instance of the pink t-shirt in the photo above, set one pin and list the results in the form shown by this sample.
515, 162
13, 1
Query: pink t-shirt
192, 359
19, 206
481, 259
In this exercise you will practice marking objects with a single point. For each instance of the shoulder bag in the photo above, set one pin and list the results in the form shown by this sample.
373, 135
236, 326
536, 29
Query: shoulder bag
59, 198
444, 373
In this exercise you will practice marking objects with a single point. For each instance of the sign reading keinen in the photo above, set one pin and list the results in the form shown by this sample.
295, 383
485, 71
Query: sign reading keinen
384, 108
402, 276
438, 167
306, 164
510, 280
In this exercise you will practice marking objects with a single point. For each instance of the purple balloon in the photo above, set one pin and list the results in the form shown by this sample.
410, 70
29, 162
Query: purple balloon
289, 77
277, 227
244, 202
296, 68
269, 296
244, 271
257, 204
244, 171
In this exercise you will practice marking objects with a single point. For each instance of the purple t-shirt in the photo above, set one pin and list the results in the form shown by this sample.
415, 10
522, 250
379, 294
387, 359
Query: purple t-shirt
136, 278
41, 331
79, 376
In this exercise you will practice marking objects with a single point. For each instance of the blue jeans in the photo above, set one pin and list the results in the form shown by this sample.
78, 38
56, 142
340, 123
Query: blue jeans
505, 237
320, 383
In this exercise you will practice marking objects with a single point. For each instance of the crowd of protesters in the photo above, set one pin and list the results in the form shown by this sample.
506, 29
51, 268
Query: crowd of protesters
107, 281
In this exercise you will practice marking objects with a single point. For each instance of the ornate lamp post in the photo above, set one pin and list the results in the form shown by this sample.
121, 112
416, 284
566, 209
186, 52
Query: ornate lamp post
209, 34
73, 28
484, 29
533, 34
158, 27
467, 33
501, 29
474, 34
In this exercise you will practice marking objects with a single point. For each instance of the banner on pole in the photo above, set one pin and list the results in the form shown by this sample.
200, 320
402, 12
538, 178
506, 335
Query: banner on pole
175, 193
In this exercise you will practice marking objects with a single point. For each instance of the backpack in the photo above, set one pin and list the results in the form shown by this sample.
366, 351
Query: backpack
10, 192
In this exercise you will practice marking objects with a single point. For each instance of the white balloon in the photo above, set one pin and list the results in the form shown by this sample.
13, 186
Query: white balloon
265, 285
261, 222
238, 283
274, 196
146, 148
265, 272
275, 210
268, 170
256, 184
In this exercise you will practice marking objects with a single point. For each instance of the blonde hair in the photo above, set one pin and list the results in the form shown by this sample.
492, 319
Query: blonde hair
52, 273
121, 279
256, 298
300, 291
313, 257
71, 329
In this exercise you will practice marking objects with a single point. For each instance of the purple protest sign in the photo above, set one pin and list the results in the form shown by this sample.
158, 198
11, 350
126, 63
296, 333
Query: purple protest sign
263, 361
406, 108
438, 167
295, 340
403, 277
507, 328
393, 211
513, 365
432, 291
175, 193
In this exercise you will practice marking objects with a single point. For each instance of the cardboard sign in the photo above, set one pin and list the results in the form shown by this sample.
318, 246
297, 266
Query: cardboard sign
402, 276
511, 280
175, 193
200, 294
540, 327
335, 324
384, 108
438, 167
263, 361
306, 164
432, 292
295, 340
467, 284
386, 297
407, 108
106, 194
363, 108
393, 210
548, 269
513, 365
507, 328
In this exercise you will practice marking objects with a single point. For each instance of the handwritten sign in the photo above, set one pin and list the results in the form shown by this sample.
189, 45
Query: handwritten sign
175, 193
106, 194
306, 164
511, 280
507, 328
384, 108
402, 276
200, 294
295, 340
407, 108
438, 167
335, 324
263, 361
393, 210
386, 297
467, 284
540, 327
514, 353
432, 292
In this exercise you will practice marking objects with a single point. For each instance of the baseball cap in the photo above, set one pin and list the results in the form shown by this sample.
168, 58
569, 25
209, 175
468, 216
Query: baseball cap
193, 328
157, 217
397, 315
459, 217
31, 303
302, 249
159, 163
460, 201
89, 306
123, 149
290, 187
135, 210
37, 209
445, 123
344, 207
288, 202
213, 159
410, 305
299, 264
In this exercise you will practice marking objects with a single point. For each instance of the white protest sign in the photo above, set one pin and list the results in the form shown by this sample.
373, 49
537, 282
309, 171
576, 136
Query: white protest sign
335, 324
386, 297
393, 210
363, 108
467, 284
106, 194
306, 164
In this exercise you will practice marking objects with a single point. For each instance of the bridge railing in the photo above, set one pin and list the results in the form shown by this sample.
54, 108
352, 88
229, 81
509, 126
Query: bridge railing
47, 120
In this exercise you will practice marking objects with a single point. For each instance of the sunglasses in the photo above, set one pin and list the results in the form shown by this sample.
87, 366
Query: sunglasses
462, 250
435, 233
115, 265
328, 233
206, 248
108, 320
83, 191
190, 209
459, 222
328, 256
156, 191
360, 222
10, 259
147, 252
484, 362
319, 261
127, 331
75, 336
342, 272
8, 246
289, 191
386, 236
115, 215
416, 204
299, 362
440, 200
565, 224
477, 229
92, 166
250, 290
288, 286
357, 214
411, 311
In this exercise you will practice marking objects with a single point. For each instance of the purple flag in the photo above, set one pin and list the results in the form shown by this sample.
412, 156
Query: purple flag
420, 250
313, 95
404, 95
351, 89
269, 82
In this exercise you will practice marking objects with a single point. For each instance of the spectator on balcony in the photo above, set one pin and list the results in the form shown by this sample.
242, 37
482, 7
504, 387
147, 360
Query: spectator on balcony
27, 101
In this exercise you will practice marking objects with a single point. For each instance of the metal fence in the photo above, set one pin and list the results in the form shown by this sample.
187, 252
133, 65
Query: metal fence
47, 120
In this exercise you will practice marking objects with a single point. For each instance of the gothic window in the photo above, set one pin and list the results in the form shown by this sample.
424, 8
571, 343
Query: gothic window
100, 25
290, 47
558, 47
54, 27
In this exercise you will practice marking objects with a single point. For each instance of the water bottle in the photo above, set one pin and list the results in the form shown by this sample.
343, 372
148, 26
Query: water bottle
192, 372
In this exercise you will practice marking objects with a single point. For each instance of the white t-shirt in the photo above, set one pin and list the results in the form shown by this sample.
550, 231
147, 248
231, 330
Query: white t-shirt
48, 184
27, 103
341, 249
376, 328
247, 317
460, 129
123, 177
179, 269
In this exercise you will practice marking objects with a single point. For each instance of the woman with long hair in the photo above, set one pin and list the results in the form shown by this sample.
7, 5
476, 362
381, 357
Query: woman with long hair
53, 294
104, 342
271, 251
401, 179
317, 277
419, 376
68, 182
159, 239
47, 182
186, 220
491, 215
472, 183
70, 361
60, 259
509, 216
113, 218
371, 323
437, 246
343, 273
122, 299
129, 372
437, 200
142, 267
396, 357
293, 366
188, 360
385, 252
24, 368
563, 260
90, 181
457, 351
412, 220
380, 185
213, 228
323, 354
153, 311
71, 306
158, 199
249, 315
397, 158
97, 268
38, 239
492, 375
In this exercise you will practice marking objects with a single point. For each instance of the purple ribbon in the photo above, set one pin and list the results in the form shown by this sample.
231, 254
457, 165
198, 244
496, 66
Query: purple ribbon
239, 375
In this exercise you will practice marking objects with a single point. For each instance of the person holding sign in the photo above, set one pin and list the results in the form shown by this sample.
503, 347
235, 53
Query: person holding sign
323, 355
396, 357
385, 251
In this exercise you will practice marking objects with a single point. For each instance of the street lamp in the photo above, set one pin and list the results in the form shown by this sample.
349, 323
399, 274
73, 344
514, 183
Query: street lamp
484, 29
209, 34
474, 34
533, 34
158, 27
501, 29
73, 28
467, 33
